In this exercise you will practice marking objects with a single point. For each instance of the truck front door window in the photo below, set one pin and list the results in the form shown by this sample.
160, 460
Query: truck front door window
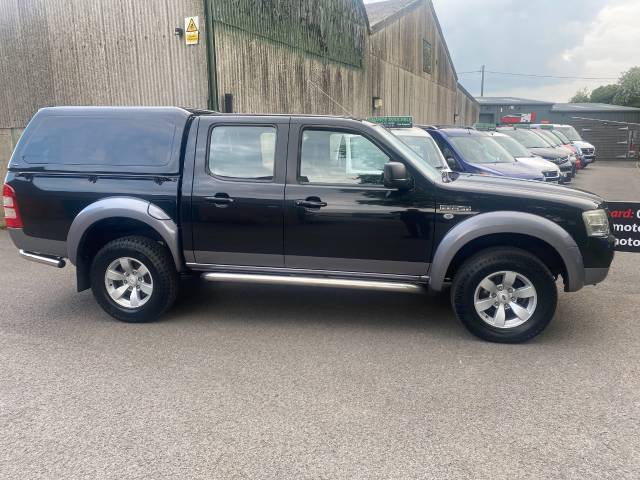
340, 158
242, 152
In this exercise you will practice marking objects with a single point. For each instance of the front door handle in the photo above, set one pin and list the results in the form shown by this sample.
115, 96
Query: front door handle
220, 199
311, 202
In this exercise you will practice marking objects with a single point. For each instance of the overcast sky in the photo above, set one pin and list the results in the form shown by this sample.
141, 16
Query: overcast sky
579, 38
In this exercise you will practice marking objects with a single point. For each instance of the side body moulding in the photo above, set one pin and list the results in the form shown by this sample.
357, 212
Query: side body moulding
514, 223
125, 207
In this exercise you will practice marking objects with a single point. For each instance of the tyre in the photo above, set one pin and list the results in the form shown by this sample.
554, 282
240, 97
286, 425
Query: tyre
504, 295
134, 279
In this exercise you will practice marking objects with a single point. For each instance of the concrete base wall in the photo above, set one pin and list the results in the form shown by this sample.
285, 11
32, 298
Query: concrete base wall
8, 139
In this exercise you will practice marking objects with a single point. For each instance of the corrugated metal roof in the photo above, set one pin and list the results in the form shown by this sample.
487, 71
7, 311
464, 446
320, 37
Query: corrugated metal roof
591, 107
510, 101
380, 11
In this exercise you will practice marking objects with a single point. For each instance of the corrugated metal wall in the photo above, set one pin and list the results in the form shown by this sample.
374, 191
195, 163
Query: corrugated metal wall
631, 116
99, 52
613, 140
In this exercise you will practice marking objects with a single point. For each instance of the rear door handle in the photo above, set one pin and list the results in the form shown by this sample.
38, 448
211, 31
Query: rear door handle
220, 199
311, 203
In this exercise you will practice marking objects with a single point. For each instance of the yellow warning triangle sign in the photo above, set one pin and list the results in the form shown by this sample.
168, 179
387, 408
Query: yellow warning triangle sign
192, 26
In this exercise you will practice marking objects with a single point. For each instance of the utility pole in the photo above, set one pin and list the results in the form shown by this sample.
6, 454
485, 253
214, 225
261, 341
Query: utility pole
482, 82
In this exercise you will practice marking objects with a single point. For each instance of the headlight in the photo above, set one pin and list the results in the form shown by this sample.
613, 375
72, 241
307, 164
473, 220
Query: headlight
596, 223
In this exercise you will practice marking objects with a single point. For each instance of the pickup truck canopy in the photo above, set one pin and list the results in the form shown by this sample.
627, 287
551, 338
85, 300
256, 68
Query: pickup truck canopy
145, 140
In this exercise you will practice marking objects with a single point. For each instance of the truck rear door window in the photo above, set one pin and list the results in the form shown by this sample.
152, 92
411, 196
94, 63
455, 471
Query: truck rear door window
81, 140
243, 152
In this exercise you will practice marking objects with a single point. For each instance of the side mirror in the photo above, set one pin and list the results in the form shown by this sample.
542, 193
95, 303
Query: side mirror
396, 176
453, 165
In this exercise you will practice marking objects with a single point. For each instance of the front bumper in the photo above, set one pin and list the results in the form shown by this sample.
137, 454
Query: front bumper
565, 176
567, 169
554, 179
598, 255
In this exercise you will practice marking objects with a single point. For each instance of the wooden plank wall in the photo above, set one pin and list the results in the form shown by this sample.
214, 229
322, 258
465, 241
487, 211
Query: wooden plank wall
396, 69
268, 77
99, 52
123, 52
467, 108
334, 29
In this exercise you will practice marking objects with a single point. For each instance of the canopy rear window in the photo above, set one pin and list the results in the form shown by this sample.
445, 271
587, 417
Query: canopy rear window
100, 141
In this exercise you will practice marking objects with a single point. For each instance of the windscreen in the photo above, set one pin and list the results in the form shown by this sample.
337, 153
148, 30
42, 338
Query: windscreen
571, 133
415, 158
549, 137
481, 149
563, 138
527, 138
516, 149
426, 148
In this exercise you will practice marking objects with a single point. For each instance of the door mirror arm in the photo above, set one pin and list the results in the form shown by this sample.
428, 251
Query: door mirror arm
453, 164
397, 176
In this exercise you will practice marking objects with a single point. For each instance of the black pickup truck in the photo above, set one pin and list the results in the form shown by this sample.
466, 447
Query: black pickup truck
136, 197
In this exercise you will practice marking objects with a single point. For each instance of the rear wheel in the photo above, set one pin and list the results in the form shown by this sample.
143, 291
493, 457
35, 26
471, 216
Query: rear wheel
504, 295
134, 279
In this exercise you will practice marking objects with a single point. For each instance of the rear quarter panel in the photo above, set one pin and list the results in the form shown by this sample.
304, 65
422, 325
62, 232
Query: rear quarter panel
49, 203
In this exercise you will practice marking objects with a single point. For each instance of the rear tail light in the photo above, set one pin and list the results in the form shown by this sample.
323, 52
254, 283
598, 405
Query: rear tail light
10, 205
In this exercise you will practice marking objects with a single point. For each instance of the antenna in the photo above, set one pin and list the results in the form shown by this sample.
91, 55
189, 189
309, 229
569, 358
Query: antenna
330, 98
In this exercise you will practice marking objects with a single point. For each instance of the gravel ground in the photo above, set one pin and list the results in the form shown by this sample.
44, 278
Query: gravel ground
274, 382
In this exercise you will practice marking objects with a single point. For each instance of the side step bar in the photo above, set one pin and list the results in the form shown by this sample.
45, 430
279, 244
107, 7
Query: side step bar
313, 281
44, 259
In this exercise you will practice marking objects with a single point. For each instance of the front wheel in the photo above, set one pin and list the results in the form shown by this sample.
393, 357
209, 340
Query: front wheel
504, 295
134, 279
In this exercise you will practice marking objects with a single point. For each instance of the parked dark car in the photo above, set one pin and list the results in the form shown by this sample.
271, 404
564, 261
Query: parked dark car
135, 197
558, 140
569, 136
540, 147
556, 143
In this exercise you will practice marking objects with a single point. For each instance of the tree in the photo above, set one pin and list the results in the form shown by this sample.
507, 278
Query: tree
604, 94
629, 90
581, 96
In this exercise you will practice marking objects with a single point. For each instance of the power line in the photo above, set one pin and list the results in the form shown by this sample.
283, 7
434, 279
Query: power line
552, 76
536, 75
